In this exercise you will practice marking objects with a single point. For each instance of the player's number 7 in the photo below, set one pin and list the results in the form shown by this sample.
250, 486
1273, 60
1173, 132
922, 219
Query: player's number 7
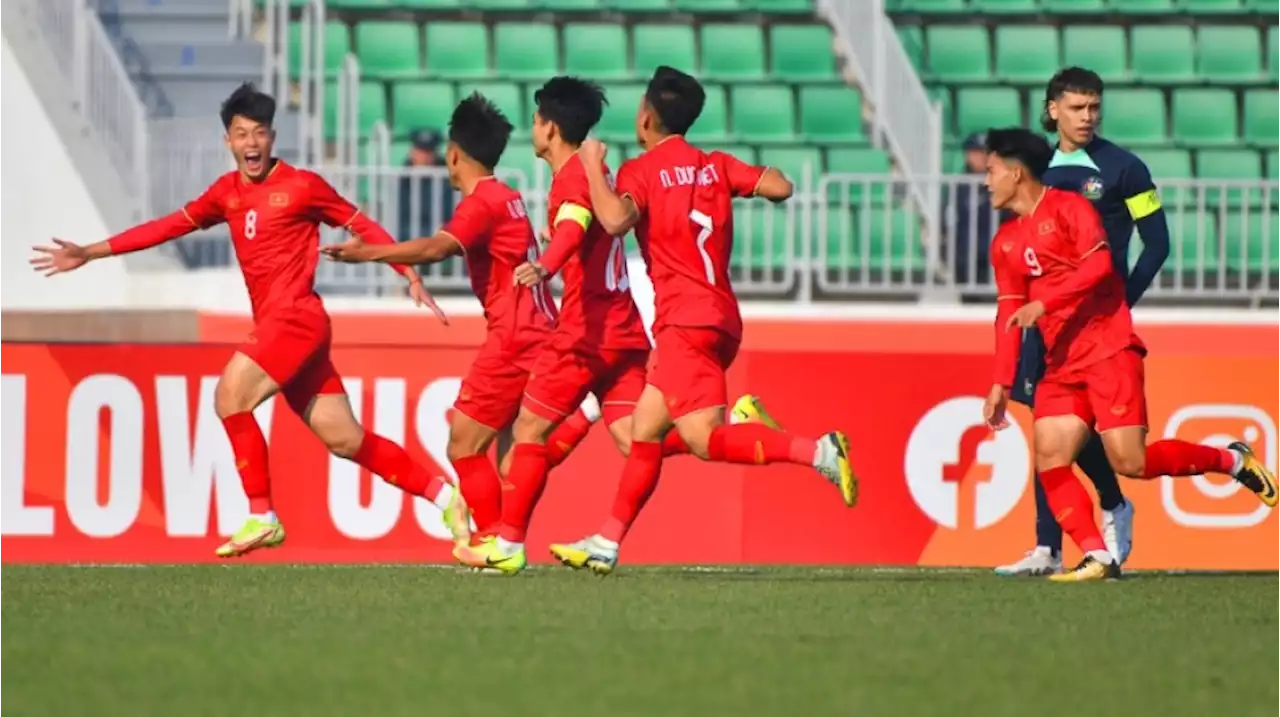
704, 223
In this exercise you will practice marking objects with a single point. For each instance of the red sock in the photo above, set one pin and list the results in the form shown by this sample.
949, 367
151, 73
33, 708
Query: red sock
566, 437
639, 478
758, 444
525, 481
250, 449
482, 489
1171, 457
390, 462
1072, 507
674, 445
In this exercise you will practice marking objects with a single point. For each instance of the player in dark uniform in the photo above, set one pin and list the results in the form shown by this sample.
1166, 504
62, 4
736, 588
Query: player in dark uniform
1120, 187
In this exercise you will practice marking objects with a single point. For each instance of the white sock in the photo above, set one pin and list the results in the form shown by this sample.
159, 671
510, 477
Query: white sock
602, 542
1237, 461
509, 548
1101, 556
441, 500
267, 517
820, 449
591, 407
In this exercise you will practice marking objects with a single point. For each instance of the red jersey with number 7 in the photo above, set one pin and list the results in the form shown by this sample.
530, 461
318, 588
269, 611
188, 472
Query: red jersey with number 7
685, 199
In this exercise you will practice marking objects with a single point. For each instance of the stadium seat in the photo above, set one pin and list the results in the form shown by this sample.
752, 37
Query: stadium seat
912, 38
958, 53
526, 166
1163, 53
708, 6
762, 114
1214, 7
792, 161
761, 235
1102, 49
1166, 164
1193, 239
638, 5
942, 95
712, 124
568, 5
1263, 240
1141, 7
457, 49
619, 121
506, 97
598, 51
429, 4
421, 105
1261, 117
732, 52
526, 50
1135, 117
1027, 53
388, 49
1229, 164
372, 106
863, 160
337, 43
1267, 7
831, 114
1205, 116
1230, 54
875, 240
500, 5
1273, 51
932, 6
801, 52
1061, 7
772, 7
1004, 6
360, 4
1273, 165
978, 109
671, 45
744, 152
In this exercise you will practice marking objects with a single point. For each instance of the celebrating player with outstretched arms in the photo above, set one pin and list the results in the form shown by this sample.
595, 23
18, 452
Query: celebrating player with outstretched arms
1053, 270
274, 211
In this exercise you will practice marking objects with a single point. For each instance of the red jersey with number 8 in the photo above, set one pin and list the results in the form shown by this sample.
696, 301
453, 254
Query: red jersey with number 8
685, 199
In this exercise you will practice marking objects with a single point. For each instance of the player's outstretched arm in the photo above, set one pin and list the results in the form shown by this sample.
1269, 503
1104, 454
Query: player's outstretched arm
66, 256
616, 214
423, 250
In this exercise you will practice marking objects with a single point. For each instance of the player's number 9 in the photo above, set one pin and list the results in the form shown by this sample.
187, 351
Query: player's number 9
1033, 262
705, 227
251, 224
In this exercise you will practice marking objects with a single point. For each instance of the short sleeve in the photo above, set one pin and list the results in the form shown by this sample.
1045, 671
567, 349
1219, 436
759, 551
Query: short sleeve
1083, 225
1140, 196
631, 183
743, 178
206, 210
472, 223
327, 205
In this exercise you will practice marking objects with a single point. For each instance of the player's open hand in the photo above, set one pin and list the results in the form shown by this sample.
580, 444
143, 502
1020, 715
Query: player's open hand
530, 273
64, 256
352, 251
1026, 316
592, 152
422, 297
994, 410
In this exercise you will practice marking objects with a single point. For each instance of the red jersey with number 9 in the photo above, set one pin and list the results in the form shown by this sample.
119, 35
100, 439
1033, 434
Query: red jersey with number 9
596, 310
1034, 255
685, 199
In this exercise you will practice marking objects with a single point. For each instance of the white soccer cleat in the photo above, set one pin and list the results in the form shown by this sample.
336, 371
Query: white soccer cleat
1117, 531
1035, 563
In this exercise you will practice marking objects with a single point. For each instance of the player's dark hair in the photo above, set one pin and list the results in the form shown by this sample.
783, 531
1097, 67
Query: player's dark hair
1071, 79
573, 104
1022, 146
676, 98
248, 102
480, 130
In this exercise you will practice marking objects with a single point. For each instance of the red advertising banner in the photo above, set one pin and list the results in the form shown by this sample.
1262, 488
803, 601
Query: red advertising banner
114, 454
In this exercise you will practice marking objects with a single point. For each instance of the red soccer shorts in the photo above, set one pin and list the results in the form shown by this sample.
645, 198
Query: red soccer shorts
492, 391
1107, 394
560, 380
294, 351
691, 366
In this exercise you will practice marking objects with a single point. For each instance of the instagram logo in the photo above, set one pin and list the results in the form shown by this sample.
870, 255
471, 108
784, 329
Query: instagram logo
1214, 502
958, 470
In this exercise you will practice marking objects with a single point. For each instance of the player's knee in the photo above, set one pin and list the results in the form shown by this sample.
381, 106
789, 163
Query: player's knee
230, 398
698, 439
1047, 459
461, 447
343, 444
1133, 465
529, 427
624, 445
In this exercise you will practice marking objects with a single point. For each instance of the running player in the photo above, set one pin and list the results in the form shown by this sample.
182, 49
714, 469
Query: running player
1053, 269
679, 200
274, 211
1120, 187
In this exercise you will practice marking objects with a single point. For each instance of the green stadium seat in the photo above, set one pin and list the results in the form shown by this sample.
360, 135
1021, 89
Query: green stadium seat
1165, 164
655, 45
595, 50
763, 114
712, 124
876, 240
1163, 53
732, 52
978, 109
861, 160
372, 104
708, 6
912, 38
831, 114
792, 162
1261, 117
429, 4
1215, 7
1273, 51
360, 4
1193, 239
1102, 49
743, 152
638, 5
760, 234
1229, 164
506, 97
959, 53
568, 5
777, 7
1142, 7
520, 168
1205, 116
1136, 117
1026, 53
933, 6
801, 52
337, 43
1267, 7
1063, 7
526, 50
500, 5
388, 49
1004, 6
1263, 241
421, 105
457, 49
1273, 165
1230, 54
619, 121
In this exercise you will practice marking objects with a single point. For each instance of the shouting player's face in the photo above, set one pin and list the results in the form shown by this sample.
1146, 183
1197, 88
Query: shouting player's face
542, 132
1077, 115
1002, 180
250, 142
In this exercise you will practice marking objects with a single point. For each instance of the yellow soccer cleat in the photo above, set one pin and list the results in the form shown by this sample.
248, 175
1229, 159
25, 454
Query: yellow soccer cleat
749, 409
1254, 475
1089, 570
596, 554
457, 517
487, 555
833, 463
254, 534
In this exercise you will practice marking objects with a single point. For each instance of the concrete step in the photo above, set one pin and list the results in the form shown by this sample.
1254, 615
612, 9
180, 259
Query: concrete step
145, 29
230, 58
174, 8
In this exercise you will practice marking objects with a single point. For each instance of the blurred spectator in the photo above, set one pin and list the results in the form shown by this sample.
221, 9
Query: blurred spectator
973, 228
434, 196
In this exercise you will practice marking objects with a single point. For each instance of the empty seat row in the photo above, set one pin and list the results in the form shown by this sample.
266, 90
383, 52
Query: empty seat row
1141, 7
729, 51
694, 6
1162, 54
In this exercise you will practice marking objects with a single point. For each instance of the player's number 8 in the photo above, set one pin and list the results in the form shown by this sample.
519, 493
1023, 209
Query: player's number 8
251, 224
1033, 262
705, 227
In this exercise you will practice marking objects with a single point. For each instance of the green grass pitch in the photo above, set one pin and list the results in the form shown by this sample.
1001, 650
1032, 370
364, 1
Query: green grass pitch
658, 642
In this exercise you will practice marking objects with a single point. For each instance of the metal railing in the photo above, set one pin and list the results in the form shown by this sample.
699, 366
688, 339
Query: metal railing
311, 81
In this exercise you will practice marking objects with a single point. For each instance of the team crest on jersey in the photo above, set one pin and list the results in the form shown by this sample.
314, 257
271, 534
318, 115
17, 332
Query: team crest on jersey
1046, 227
278, 199
233, 203
1092, 189
1006, 247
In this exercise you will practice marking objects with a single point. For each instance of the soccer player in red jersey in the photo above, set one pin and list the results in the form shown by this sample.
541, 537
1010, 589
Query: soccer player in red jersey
274, 212
1053, 270
679, 200
491, 230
